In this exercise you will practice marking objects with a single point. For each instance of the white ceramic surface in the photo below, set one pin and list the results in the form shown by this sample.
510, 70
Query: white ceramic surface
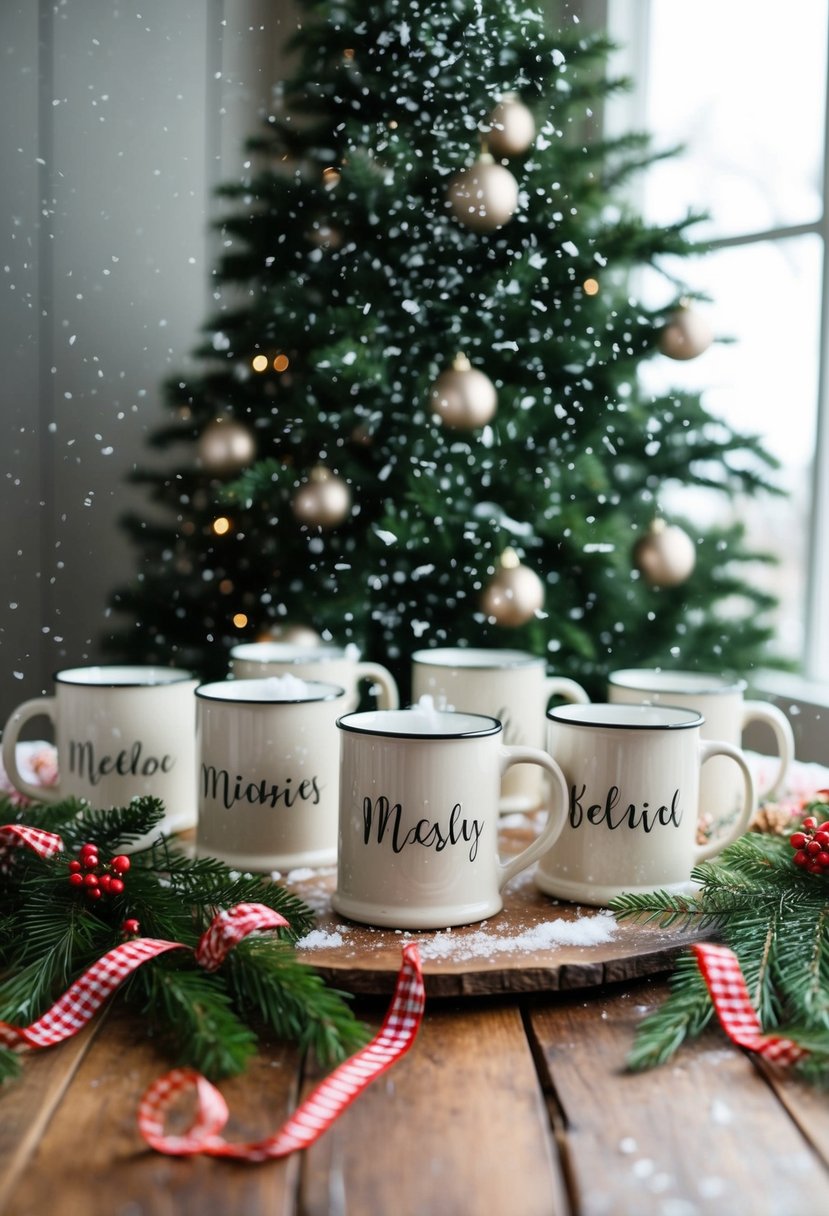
418, 840
633, 794
267, 773
327, 664
721, 701
509, 685
120, 732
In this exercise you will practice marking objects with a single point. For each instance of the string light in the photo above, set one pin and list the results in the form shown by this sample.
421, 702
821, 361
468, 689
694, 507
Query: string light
226, 586
259, 363
330, 176
221, 525
240, 620
591, 287
280, 363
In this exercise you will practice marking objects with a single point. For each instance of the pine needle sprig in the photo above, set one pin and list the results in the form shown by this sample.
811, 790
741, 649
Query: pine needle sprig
267, 979
775, 917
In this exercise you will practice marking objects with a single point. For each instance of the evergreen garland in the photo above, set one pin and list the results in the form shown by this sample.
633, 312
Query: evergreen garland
774, 915
50, 933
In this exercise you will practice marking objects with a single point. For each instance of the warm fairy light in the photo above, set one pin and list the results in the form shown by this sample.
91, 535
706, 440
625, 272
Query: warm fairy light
280, 363
221, 525
349, 54
226, 586
259, 363
330, 176
240, 620
393, 125
591, 287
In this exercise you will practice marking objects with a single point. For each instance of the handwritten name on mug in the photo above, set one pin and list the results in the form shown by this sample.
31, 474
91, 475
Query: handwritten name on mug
631, 816
382, 813
217, 783
130, 761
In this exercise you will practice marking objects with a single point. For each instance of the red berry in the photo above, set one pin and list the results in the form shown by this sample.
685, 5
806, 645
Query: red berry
823, 827
813, 868
120, 864
798, 839
801, 858
74, 866
131, 926
810, 823
93, 892
76, 880
822, 838
823, 858
91, 880
105, 881
89, 847
116, 886
89, 861
812, 847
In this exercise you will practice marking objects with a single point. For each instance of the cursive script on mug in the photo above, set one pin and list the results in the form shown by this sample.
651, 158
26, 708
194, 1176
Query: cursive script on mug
130, 762
218, 785
385, 816
630, 816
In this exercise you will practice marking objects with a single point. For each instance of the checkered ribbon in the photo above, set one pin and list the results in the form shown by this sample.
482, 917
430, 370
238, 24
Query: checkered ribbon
45, 844
316, 1113
86, 995
738, 1017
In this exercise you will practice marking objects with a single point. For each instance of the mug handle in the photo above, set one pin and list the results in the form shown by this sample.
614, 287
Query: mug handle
715, 747
560, 686
555, 816
11, 732
389, 698
761, 711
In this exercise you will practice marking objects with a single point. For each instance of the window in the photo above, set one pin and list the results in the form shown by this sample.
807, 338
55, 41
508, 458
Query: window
743, 88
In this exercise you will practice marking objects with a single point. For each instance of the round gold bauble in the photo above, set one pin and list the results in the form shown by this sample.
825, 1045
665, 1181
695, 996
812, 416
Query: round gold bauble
665, 556
514, 594
686, 334
484, 196
511, 127
462, 397
323, 501
225, 446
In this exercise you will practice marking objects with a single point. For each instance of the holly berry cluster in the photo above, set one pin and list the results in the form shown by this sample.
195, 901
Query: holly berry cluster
96, 880
812, 845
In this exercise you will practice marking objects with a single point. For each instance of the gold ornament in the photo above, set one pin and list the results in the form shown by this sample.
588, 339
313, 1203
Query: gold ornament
295, 635
514, 594
323, 501
511, 127
665, 556
484, 196
462, 397
686, 334
225, 446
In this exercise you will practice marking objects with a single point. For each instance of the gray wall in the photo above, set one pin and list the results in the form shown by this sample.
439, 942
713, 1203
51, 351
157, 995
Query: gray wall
115, 129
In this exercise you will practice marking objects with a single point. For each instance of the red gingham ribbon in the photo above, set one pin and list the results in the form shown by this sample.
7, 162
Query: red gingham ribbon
86, 995
319, 1110
45, 844
738, 1017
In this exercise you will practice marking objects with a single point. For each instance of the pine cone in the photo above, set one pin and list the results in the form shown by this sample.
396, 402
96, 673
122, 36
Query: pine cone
773, 820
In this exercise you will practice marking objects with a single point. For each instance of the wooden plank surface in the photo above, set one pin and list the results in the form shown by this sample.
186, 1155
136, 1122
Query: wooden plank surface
702, 1136
457, 1128
91, 1160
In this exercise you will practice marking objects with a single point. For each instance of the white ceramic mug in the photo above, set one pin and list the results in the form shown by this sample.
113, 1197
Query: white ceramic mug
510, 685
267, 755
720, 700
418, 841
120, 732
633, 795
339, 665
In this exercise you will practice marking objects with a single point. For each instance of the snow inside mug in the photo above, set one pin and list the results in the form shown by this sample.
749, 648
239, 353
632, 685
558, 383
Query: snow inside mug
720, 700
513, 687
418, 839
339, 665
267, 755
632, 773
120, 732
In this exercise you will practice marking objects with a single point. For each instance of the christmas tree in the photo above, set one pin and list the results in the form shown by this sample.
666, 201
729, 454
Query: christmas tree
415, 417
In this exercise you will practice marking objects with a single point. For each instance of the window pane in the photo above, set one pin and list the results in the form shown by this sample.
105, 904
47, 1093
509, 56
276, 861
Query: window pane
765, 296
742, 87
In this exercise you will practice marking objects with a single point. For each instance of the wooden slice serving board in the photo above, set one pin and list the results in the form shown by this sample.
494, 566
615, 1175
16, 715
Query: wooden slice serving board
530, 946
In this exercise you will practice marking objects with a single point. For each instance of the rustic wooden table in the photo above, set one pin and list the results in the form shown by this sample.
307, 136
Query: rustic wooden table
514, 1098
